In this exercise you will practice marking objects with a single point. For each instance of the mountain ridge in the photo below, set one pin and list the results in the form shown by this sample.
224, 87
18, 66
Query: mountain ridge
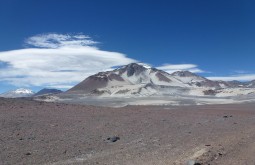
47, 91
136, 79
21, 92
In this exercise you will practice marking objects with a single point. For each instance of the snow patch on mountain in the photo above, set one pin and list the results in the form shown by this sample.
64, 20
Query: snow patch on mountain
21, 92
139, 80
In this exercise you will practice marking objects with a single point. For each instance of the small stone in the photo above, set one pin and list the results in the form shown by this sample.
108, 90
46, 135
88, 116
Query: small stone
192, 162
113, 139
28, 153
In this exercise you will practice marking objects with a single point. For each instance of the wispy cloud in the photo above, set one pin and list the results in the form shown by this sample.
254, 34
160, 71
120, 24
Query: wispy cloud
170, 68
241, 72
240, 77
52, 40
57, 60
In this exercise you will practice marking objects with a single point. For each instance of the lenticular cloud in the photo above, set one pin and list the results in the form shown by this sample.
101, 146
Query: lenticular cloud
57, 60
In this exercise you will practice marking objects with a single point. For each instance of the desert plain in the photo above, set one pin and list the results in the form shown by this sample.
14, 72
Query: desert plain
34, 132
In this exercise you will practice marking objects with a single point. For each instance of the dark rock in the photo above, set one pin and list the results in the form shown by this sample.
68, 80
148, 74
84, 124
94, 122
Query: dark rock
192, 162
31, 138
162, 77
28, 153
226, 116
210, 92
113, 139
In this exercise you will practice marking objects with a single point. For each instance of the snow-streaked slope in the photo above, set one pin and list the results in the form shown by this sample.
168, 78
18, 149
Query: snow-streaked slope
22, 92
142, 80
194, 80
132, 74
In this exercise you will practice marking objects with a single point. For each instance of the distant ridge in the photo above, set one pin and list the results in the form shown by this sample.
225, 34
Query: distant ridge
47, 91
21, 92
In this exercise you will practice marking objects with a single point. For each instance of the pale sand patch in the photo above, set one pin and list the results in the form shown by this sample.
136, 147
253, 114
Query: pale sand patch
154, 102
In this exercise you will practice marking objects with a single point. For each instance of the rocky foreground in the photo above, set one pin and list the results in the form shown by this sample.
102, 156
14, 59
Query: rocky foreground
53, 133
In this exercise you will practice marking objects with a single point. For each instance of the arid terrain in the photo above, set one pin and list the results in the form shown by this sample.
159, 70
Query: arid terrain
34, 132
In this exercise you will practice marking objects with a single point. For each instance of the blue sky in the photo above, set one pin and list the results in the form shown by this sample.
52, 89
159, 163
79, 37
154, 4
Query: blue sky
214, 38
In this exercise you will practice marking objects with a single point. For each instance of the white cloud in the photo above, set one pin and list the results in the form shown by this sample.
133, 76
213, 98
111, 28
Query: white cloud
241, 72
170, 68
53, 40
242, 77
59, 61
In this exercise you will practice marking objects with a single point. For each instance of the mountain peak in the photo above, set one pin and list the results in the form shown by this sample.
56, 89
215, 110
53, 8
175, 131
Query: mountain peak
21, 92
134, 76
133, 68
135, 65
24, 91
184, 74
47, 91
145, 65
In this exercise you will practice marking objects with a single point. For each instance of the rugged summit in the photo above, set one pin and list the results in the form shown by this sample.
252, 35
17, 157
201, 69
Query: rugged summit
137, 79
140, 80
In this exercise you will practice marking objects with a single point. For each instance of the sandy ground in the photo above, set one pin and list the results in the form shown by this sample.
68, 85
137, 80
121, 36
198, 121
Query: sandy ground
54, 133
176, 100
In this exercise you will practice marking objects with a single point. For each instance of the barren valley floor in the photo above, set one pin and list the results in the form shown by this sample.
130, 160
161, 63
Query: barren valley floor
55, 133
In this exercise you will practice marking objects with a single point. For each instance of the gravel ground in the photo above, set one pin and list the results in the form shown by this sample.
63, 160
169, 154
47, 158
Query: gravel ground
54, 133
